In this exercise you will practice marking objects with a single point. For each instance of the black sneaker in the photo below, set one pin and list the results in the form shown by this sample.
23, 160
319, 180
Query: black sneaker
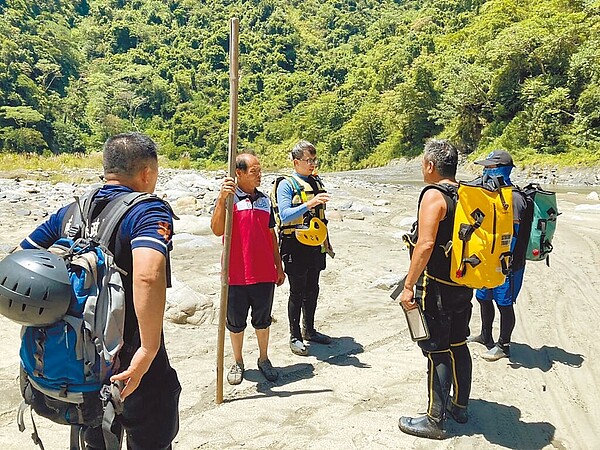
318, 338
423, 426
268, 370
459, 414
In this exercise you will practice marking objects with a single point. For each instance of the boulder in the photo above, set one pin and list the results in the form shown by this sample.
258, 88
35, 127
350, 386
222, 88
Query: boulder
592, 196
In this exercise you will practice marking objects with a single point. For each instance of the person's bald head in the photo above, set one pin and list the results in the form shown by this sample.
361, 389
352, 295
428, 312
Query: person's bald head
244, 160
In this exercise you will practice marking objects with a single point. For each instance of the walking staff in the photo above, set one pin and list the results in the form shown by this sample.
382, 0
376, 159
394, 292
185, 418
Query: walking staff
234, 27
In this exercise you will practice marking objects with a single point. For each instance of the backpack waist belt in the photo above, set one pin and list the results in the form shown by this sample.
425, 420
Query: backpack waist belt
439, 280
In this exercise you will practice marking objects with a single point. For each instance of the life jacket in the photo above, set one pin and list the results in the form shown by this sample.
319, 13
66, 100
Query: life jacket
303, 192
477, 254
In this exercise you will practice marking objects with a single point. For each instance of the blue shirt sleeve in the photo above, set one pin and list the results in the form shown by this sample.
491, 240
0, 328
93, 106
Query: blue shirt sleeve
285, 193
149, 225
47, 233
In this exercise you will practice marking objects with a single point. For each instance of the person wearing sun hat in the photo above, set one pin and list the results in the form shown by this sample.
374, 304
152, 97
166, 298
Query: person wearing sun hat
498, 166
497, 158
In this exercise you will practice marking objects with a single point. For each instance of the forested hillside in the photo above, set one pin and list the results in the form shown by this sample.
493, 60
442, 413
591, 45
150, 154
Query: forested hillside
366, 80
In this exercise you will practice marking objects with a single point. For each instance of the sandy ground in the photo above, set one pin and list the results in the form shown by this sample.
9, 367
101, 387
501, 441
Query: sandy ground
351, 393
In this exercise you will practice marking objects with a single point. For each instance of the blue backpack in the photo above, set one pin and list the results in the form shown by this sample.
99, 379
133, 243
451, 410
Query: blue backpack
66, 366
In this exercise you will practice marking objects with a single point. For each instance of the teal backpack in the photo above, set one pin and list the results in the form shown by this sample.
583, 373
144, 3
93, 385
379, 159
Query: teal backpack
543, 212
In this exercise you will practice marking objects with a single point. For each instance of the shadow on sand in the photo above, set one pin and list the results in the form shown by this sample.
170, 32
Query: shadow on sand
543, 358
287, 375
501, 425
341, 352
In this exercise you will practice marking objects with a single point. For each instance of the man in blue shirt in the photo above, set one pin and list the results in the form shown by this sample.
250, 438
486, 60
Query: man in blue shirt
141, 248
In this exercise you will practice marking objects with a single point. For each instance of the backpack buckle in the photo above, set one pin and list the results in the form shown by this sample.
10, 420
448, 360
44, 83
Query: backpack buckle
111, 393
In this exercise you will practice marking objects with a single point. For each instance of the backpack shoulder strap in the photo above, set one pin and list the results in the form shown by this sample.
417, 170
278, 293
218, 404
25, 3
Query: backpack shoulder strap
75, 223
316, 183
449, 192
112, 214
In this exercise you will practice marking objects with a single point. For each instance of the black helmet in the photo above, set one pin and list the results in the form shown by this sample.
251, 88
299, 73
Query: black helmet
34, 287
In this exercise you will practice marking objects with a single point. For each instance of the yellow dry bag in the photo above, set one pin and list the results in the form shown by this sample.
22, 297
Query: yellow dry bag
483, 229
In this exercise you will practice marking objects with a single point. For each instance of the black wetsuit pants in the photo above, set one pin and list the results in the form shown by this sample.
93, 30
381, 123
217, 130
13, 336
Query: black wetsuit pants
303, 265
304, 291
449, 367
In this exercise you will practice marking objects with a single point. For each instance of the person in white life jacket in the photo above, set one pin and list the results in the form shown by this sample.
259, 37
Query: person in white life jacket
301, 198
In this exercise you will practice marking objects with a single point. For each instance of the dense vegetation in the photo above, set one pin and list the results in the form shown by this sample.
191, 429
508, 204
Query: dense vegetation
366, 80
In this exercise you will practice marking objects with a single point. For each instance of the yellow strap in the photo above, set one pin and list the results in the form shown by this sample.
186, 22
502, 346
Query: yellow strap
439, 280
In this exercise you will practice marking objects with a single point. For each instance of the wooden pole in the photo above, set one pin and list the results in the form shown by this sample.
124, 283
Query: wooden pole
234, 28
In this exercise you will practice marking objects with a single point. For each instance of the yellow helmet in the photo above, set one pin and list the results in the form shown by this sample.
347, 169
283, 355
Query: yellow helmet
314, 235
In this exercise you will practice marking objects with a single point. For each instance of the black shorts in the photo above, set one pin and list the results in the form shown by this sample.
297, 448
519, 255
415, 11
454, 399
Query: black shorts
258, 296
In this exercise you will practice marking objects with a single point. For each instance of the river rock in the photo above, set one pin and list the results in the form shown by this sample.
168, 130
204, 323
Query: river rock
185, 305
186, 201
381, 202
355, 215
193, 225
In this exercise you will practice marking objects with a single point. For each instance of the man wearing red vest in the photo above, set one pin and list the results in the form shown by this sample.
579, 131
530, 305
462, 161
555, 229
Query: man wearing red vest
254, 263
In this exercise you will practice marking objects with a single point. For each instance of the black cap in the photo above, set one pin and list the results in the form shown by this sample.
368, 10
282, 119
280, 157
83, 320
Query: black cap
497, 158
